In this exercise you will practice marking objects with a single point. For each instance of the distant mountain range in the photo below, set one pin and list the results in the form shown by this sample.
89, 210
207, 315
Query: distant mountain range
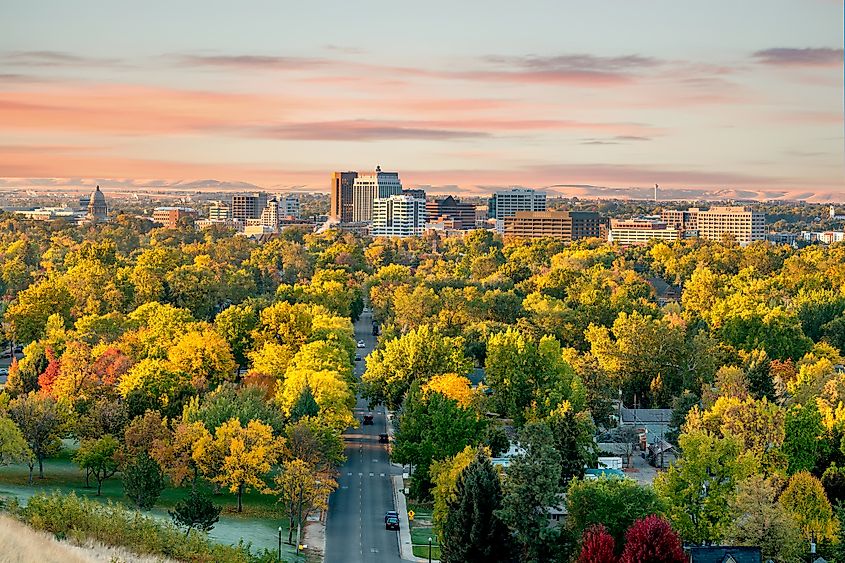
584, 191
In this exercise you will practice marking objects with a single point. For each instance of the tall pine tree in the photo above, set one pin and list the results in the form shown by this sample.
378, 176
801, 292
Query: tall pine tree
472, 532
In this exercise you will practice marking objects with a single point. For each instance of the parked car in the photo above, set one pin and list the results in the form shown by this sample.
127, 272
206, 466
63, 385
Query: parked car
357, 357
383, 439
391, 523
390, 514
361, 344
368, 419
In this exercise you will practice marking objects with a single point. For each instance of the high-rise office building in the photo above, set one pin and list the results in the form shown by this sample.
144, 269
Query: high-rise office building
566, 225
640, 230
369, 187
398, 216
341, 196
744, 223
219, 211
248, 206
507, 203
451, 209
288, 205
682, 219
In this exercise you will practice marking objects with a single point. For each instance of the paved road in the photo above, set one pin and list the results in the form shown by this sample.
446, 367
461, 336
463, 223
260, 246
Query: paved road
355, 524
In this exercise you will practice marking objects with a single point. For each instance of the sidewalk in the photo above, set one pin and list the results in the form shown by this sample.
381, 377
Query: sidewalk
406, 550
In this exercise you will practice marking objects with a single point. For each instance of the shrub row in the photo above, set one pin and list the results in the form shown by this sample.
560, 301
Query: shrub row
79, 519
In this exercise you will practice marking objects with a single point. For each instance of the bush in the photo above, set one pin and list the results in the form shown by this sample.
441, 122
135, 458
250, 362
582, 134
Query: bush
79, 519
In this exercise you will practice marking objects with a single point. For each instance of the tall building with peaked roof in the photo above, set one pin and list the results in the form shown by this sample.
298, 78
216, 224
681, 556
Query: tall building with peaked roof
97, 207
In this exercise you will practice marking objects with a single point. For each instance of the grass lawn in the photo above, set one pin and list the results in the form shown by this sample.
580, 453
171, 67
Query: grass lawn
422, 551
421, 530
258, 523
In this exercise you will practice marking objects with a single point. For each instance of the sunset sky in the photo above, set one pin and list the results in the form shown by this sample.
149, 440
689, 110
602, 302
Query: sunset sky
459, 95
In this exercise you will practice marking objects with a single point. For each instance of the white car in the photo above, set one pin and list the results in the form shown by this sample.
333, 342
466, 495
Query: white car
361, 344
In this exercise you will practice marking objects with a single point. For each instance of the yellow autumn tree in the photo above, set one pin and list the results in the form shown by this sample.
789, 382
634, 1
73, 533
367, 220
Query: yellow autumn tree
302, 491
453, 386
239, 457
205, 356
331, 392
180, 452
445, 475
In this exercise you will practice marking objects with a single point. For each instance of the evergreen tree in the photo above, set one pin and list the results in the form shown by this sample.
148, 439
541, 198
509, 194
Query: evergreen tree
143, 481
306, 405
757, 366
473, 533
531, 487
195, 511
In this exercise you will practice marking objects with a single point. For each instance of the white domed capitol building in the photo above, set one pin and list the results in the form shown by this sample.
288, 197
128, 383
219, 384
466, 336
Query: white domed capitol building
97, 208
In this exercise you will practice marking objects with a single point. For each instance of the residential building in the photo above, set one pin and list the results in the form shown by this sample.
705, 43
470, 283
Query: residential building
98, 209
833, 216
640, 230
173, 217
826, 237
340, 209
398, 216
566, 225
369, 187
724, 554
288, 205
461, 215
683, 220
219, 211
248, 206
744, 224
507, 203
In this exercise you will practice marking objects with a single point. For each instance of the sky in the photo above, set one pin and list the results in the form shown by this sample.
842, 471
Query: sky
462, 96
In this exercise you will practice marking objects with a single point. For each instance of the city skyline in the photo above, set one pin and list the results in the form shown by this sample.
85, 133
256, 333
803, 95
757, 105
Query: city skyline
742, 98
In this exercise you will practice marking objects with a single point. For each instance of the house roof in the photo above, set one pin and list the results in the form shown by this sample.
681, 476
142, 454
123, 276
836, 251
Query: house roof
634, 416
725, 554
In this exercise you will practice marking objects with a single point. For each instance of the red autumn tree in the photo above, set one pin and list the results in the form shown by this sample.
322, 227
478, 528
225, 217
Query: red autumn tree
652, 540
597, 546
111, 365
51, 373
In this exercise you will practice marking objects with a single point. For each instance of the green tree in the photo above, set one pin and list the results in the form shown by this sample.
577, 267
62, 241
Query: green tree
432, 428
573, 439
13, 446
417, 356
305, 405
758, 520
99, 458
195, 511
699, 486
531, 486
143, 480
229, 401
235, 324
804, 498
804, 442
42, 422
27, 315
610, 501
473, 533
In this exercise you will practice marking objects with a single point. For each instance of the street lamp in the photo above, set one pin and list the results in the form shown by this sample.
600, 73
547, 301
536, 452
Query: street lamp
429, 549
280, 544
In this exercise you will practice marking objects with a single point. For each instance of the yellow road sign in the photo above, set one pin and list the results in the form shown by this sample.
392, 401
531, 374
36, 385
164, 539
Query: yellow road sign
410, 515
